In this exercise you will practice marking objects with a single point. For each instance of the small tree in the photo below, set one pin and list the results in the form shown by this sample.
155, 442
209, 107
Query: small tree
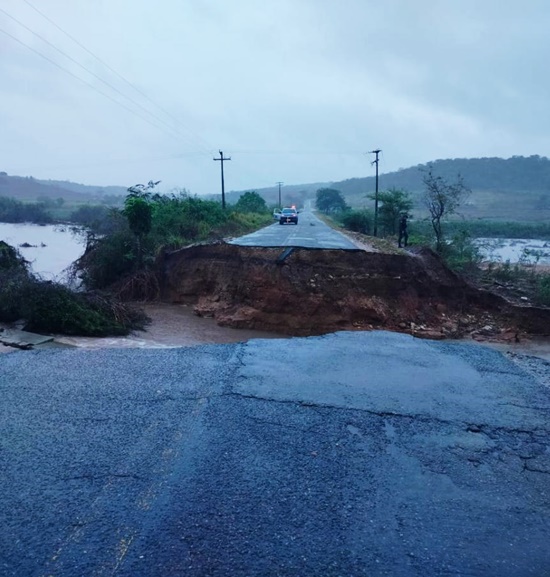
442, 199
251, 202
394, 202
139, 212
330, 200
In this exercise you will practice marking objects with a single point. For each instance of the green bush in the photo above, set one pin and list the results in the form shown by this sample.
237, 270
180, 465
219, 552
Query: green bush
106, 260
176, 221
542, 291
13, 283
10, 259
53, 308
50, 307
357, 220
462, 255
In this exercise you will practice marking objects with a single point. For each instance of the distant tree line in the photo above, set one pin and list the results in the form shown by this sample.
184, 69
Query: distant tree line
12, 210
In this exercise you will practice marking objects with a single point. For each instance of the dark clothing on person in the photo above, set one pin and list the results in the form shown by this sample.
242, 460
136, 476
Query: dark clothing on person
403, 234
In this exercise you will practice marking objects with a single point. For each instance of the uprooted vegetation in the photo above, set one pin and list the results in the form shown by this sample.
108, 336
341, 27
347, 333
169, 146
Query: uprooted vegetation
46, 306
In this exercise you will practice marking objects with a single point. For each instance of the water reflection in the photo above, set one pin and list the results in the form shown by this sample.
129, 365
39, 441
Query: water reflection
50, 248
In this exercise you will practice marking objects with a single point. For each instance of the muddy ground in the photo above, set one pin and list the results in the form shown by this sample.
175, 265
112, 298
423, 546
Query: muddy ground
303, 292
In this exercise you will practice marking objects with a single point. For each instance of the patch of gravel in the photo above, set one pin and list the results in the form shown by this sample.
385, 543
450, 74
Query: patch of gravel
535, 366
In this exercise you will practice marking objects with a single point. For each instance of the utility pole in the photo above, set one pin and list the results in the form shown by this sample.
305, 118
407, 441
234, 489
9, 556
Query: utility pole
377, 152
280, 183
221, 159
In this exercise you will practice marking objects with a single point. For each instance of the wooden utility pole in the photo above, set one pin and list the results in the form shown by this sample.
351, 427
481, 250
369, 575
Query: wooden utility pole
221, 159
280, 184
377, 152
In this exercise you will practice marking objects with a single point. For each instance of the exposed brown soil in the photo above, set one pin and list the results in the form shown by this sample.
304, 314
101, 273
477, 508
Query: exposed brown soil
310, 292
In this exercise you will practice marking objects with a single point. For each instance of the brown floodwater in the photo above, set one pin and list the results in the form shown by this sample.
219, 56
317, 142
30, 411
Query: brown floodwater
172, 326
178, 326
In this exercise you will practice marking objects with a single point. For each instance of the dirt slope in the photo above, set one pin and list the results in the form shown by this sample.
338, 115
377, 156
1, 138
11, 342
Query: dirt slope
310, 292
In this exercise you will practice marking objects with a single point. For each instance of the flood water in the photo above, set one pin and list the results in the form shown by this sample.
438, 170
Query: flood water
527, 251
171, 326
53, 247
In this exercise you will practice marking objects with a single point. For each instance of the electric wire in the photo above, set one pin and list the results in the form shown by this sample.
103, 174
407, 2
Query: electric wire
119, 161
207, 147
85, 82
160, 120
174, 134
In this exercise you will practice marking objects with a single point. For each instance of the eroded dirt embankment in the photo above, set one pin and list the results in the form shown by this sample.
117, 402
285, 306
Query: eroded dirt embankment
310, 292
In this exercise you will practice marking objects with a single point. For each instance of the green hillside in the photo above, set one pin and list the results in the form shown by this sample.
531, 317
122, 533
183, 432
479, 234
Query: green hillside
30, 189
516, 188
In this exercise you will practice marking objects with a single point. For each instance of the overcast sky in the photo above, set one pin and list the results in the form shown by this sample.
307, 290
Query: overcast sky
124, 91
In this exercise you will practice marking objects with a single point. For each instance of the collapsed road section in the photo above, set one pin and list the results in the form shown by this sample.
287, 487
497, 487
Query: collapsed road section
302, 292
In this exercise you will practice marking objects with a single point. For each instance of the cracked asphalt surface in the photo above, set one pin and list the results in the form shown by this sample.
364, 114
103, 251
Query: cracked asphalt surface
349, 454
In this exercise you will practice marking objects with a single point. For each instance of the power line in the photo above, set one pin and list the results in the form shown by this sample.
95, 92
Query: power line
160, 120
117, 161
203, 143
85, 82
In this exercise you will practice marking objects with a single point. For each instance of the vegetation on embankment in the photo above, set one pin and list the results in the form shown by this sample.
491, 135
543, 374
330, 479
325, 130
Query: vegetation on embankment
123, 259
46, 306
122, 248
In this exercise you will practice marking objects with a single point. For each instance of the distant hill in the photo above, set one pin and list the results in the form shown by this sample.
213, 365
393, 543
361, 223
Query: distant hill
514, 174
30, 189
516, 188
86, 188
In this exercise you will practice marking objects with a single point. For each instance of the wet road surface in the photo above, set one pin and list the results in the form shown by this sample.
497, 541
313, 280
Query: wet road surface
348, 454
310, 232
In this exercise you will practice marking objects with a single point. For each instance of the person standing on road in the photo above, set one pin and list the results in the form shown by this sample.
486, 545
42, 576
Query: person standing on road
403, 234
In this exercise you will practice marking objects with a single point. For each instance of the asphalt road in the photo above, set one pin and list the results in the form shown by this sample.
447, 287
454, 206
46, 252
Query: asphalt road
310, 232
350, 454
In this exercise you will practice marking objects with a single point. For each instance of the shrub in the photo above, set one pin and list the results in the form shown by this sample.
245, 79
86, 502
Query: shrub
54, 308
357, 220
106, 260
50, 307
462, 255
542, 291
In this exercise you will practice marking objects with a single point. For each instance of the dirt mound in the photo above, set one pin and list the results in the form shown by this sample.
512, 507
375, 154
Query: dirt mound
299, 291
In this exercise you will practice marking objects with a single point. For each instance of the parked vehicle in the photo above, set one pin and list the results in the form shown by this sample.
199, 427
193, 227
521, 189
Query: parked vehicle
276, 214
288, 215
